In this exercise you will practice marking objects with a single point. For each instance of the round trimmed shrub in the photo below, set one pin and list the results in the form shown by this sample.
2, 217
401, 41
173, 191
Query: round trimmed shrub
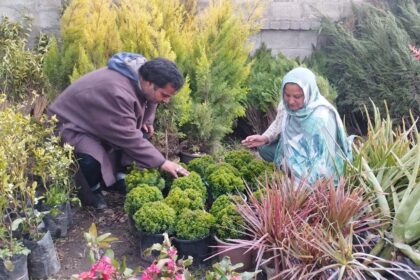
200, 165
223, 180
194, 224
155, 217
192, 181
180, 199
140, 195
149, 177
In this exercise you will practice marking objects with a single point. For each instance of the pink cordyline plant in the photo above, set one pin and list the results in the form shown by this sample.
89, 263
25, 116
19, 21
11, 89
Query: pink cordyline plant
415, 51
317, 232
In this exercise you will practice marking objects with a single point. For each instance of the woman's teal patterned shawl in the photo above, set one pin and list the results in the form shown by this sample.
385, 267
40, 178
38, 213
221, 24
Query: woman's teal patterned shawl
313, 142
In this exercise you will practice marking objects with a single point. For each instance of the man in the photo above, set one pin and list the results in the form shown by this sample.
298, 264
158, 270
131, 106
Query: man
108, 114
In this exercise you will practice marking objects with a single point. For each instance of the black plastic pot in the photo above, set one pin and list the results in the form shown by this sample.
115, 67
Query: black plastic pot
43, 260
198, 249
59, 225
20, 271
186, 157
144, 240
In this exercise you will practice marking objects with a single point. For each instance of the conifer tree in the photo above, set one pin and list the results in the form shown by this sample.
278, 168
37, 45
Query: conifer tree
218, 71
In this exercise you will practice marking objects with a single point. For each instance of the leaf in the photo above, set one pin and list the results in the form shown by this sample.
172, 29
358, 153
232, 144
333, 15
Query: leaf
92, 230
8, 264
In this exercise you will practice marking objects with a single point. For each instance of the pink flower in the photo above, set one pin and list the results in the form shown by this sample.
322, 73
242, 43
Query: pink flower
104, 267
179, 277
170, 265
87, 275
146, 276
172, 252
153, 268
235, 278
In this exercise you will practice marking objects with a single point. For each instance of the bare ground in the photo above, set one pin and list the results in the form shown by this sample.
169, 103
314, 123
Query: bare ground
72, 249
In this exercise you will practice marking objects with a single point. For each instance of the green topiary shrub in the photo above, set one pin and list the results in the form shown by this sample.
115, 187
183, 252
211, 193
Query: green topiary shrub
219, 204
180, 199
239, 158
192, 181
255, 171
193, 224
155, 217
149, 177
224, 180
140, 195
200, 165
228, 222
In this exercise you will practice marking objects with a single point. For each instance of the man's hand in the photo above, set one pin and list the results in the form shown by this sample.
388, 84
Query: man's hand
174, 169
256, 140
149, 129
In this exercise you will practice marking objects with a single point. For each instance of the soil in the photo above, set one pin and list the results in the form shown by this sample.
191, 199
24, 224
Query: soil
72, 249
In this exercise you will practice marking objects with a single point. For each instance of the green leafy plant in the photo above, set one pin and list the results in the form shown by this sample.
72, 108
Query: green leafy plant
140, 195
192, 181
193, 224
223, 180
149, 177
388, 162
167, 265
228, 221
155, 217
375, 35
101, 256
238, 158
180, 199
21, 68
201, 164
224, 270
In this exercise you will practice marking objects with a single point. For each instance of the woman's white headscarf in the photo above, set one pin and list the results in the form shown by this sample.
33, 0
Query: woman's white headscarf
313, 142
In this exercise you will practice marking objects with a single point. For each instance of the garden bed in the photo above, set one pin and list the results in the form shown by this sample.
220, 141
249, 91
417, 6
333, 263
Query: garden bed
71, 249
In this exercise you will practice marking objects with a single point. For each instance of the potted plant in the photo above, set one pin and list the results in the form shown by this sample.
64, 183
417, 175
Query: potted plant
180, 199
192, 181
229, 224
59, 217
152, 220
149, 177
200, 165
140, 195
193, 233
224, 270
252, 170
224, 179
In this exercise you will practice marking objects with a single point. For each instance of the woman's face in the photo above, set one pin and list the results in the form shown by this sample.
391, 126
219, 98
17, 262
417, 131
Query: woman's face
293, 96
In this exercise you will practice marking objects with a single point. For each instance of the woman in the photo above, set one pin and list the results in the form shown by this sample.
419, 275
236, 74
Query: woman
312, 142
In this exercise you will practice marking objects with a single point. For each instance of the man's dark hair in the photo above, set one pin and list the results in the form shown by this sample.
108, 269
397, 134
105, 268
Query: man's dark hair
161, 72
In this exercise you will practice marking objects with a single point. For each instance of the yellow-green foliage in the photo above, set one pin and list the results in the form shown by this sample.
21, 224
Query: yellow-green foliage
155, 217
218, 73
189, 198
20, 67
138, 196
211, 49
223, 180
193, 224
193, 181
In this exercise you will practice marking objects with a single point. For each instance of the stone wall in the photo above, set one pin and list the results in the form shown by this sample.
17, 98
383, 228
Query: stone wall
289, 26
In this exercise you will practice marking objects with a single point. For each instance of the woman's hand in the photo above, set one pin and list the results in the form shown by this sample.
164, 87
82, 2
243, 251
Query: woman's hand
256, 140
174, 169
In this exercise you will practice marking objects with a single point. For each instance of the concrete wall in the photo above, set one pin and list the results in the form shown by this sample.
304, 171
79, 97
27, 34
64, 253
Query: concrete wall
45, 14
289, 26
